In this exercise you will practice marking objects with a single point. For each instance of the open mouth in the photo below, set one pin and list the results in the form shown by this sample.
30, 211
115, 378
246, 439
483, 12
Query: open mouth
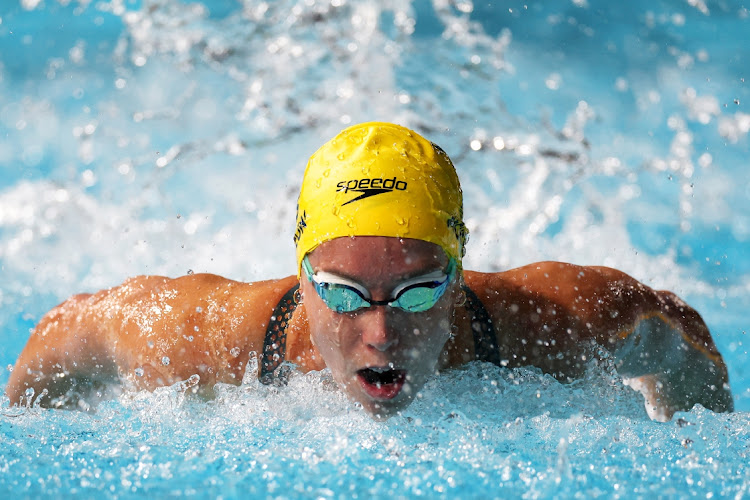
382, 383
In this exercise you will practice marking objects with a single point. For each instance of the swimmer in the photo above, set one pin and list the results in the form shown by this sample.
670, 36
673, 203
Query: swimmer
381, 299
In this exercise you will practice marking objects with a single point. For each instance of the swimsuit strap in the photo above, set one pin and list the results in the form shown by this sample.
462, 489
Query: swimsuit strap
274, 345
485, 340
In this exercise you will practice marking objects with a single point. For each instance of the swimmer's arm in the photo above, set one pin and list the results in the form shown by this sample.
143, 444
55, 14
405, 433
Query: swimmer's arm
661, 346
668, 355
64, 350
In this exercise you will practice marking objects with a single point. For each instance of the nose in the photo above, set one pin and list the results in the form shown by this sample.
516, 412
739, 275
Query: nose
377, 330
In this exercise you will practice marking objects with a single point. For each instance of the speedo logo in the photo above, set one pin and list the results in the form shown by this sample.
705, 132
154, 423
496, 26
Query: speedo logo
370, 187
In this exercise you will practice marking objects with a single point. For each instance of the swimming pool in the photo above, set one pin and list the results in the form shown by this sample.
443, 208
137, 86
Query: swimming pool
165, 137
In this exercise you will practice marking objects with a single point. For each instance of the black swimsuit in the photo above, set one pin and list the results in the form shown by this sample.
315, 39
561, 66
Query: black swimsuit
274, 345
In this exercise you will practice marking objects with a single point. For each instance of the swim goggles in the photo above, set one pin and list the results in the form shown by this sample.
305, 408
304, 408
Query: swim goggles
414, 295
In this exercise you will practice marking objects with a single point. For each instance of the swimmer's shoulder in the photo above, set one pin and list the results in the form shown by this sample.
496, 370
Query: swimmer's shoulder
201, 290
192, 319
596, 301
559, 289
551, 278
193, 285
205, 299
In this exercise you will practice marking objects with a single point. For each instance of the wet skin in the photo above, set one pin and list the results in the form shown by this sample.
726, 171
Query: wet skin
398, 345
153, 331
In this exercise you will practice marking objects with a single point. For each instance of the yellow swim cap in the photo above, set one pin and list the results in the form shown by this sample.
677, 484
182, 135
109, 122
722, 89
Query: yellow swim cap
380, 179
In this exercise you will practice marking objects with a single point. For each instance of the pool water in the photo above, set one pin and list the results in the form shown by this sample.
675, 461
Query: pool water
166, 137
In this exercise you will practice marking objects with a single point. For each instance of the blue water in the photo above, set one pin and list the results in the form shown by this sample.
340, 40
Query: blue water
164, 136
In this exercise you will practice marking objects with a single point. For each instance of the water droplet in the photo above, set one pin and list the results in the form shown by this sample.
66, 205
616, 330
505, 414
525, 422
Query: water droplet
250, 376
199, 309
139, 372
235, 351
165, 360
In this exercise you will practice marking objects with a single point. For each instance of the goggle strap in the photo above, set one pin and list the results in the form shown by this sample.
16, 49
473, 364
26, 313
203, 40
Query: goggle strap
307, 268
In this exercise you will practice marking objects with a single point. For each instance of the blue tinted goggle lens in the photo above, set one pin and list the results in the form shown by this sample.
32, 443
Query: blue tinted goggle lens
412, 296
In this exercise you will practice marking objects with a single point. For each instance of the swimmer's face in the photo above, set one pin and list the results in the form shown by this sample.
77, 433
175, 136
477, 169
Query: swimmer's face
380, 356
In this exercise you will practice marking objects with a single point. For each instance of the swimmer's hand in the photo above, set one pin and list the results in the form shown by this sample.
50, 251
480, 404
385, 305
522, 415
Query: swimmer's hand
673, 370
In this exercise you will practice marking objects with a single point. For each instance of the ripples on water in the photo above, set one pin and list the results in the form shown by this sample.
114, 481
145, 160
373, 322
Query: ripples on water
164, 137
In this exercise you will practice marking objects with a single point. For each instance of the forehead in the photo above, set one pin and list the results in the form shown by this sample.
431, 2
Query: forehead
378, 257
